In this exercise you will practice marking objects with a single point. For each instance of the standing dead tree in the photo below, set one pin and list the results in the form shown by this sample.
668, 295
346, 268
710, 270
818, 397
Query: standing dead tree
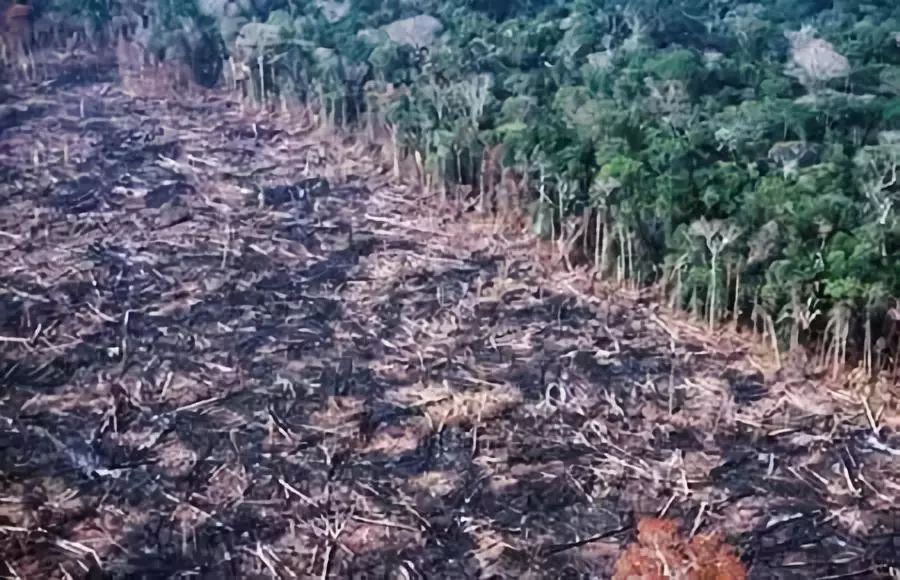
814, 61
718, 235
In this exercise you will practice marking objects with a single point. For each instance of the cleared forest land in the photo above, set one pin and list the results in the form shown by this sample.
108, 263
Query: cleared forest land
235, 349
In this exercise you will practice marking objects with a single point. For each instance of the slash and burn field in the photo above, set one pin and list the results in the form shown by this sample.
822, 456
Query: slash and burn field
233, 347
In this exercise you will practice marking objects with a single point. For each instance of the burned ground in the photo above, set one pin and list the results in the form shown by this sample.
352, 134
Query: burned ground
233, 349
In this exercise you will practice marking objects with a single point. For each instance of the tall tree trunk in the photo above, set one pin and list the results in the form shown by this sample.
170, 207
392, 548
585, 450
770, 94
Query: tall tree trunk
867, 347
606, 249
712, 290
675, 298
773, 336
262, 81
621, 256
585, 225
630, 274
481, 186
395, 151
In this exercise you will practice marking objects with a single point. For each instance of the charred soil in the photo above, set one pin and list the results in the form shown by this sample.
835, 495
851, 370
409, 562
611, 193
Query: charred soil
233, 348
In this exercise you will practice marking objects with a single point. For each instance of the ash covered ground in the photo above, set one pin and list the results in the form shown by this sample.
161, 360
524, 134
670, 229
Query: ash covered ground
235, 347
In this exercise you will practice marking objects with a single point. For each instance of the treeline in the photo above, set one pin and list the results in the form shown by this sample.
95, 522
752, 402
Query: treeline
742, 156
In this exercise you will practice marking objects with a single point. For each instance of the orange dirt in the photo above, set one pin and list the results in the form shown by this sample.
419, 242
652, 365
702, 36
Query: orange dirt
661, 553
